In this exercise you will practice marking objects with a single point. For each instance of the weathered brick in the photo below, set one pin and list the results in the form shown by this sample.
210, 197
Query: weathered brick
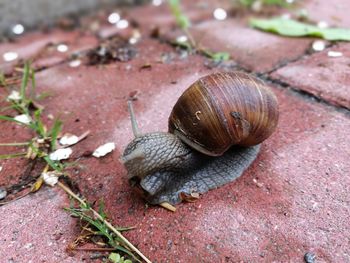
320, 75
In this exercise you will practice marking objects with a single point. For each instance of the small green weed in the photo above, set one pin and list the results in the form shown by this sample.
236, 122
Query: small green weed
184, 23
96, 227
40, 146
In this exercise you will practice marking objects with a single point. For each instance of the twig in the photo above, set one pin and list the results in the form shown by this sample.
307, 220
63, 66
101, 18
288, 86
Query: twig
69, 191
15, 144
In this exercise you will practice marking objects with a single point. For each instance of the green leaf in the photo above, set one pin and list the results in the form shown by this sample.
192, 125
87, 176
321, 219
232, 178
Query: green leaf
114, 257
292, 28
56, 129
181, 19
220, 56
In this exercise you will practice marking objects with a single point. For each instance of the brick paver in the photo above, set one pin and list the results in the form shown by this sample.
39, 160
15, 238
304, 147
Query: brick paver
292, 200
321, 75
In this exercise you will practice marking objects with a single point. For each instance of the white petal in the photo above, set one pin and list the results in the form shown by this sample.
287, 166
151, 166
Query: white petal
10, 56
14, 96
50, 178
220, 14
69, 139
23, 118
318, 45
60, 154
104, 149
334, 54
75, 63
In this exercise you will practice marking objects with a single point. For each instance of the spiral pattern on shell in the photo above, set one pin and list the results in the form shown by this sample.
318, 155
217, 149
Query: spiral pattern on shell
224, 109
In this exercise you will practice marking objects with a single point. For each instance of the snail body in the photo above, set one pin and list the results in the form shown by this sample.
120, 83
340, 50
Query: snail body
215, 129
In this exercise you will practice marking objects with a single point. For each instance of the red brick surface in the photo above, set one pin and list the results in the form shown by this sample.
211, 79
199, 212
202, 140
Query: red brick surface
36, 229
323, 76
41, 48
292, 200
254, 50
334, 12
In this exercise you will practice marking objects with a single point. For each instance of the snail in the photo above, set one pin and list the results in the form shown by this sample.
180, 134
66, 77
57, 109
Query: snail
215, 131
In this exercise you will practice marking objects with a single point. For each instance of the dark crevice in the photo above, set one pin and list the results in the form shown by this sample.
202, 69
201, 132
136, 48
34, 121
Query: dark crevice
308, 53
305, 95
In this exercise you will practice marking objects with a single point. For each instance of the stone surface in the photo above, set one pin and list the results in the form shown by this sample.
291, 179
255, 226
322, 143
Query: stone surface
321, 75
334, 13
41, 48
150, 17
37, 229
252, 49
291, 201
294, 199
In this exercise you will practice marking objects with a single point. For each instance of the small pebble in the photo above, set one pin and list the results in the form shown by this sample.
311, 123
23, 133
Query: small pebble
318, 45
334, 54
3, 193
310, 257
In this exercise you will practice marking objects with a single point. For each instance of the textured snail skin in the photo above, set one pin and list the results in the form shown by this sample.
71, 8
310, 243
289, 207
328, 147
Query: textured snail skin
181, 171
224, 109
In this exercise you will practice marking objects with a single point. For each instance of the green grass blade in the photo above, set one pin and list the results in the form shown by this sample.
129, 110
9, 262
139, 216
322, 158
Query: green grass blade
32, 91
6, 118
56, 129
25, 79
39, 125
52, 164
181, 19
2, 79
12, 155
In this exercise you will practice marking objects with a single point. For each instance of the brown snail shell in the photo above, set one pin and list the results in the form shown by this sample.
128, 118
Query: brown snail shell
224, 109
